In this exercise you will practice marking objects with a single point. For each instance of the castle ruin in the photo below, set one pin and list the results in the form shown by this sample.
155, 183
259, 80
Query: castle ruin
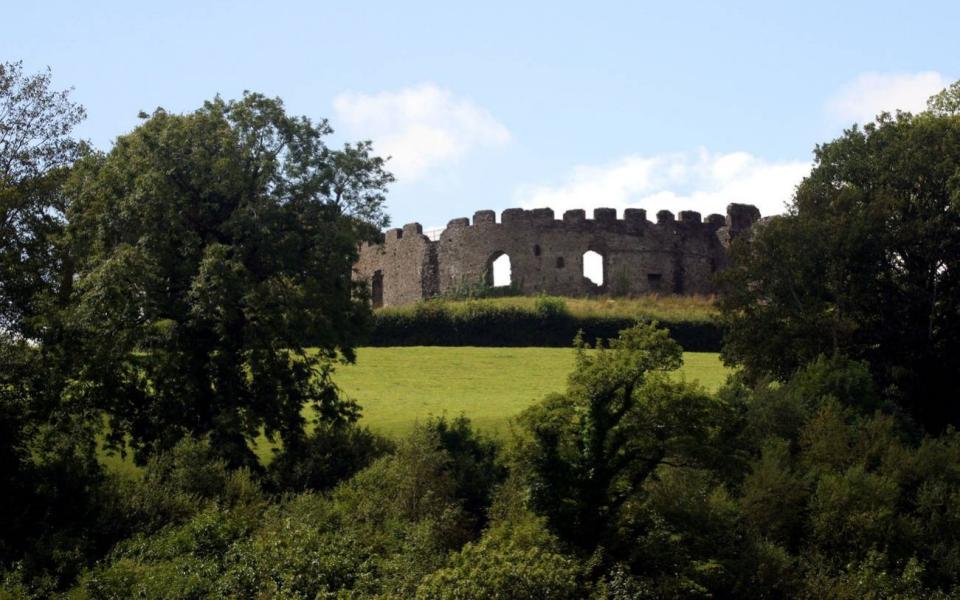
546, 255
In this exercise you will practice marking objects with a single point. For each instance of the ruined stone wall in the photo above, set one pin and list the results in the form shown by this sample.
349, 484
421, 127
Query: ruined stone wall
671, 256
405, 264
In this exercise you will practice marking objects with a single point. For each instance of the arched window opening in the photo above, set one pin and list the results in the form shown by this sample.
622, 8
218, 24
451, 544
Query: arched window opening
593, 267
500, 271
536, 249
376, 289
559, 262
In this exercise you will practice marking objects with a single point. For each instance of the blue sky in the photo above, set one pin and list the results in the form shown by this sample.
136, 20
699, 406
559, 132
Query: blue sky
676, 105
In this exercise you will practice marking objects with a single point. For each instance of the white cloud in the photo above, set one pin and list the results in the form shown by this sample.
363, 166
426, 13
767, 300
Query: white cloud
420, 127
702, 181
871, 93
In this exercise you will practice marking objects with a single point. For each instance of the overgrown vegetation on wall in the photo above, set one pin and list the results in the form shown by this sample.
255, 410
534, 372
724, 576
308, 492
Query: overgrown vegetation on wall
542, 321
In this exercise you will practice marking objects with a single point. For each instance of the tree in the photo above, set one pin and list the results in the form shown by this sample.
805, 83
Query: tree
213, 249
866, 263
36, 150
590, 450
946, 102
52, 482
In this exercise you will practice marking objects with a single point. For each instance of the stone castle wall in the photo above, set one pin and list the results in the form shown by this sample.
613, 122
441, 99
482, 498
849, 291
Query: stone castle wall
672, 256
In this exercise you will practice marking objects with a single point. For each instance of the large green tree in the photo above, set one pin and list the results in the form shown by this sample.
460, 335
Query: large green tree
589, 452
866, 263
36, 151
213, 288
49, 472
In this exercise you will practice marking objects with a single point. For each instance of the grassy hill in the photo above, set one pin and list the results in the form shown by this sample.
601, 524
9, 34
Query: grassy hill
398, 386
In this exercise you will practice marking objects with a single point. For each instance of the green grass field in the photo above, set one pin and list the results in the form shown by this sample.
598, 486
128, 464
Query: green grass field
398, 386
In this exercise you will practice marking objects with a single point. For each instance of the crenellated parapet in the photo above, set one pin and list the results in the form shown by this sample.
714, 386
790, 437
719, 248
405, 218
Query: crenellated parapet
601, 219
675, 254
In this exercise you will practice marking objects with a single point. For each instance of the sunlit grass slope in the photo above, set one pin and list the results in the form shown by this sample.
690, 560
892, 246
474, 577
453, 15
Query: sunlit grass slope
398, 386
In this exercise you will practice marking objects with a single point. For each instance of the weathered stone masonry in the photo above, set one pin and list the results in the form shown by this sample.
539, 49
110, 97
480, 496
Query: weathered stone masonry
672, 256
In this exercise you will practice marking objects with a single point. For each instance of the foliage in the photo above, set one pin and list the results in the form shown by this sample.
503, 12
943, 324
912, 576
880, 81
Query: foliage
36, 122
844, 499
52, 516
650, 307
481, 288
539, 321
512, 560
211, 248
801, 489
379, 533
473, 467
176, 484
701, 497
36, 151
590, 450
865, 265
327, 455
947, 102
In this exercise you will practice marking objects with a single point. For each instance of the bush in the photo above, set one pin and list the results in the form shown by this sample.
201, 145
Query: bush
515, 560
472, 464
180, 483
297, 552
547, 322
177, 562
327, 456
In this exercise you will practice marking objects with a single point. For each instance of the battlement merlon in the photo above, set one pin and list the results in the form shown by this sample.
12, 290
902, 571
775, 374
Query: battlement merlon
636, 216
408, 231
484, 216
605, 215
411, 229
715, 221
741, 216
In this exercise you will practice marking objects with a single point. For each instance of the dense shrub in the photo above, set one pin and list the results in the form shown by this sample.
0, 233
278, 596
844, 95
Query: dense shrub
515, 560
628, 485
823, 493
546, 323
55, 498
473, 466
328, 455
181, 482
378, 533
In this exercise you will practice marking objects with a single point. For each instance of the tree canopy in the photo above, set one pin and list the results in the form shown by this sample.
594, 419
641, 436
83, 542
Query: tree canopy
36, 149
211, 250
591, 450
866, 263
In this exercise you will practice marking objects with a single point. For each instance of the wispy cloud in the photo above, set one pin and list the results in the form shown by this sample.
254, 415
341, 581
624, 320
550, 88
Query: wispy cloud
420, 127
701, 181
869, 94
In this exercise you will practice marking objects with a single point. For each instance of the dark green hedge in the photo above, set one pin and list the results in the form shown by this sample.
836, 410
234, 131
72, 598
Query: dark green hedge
428, 326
